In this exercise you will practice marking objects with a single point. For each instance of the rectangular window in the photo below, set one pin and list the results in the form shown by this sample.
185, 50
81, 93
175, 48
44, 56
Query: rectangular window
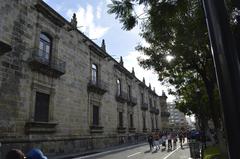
95, 115
144, 122
129, 92
120, 116
41, 107
150, 102
152, 124
142, 98
131, 120
156, 123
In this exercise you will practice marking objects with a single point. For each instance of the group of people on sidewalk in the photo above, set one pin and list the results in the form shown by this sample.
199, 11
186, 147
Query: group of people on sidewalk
32, 154
168, 139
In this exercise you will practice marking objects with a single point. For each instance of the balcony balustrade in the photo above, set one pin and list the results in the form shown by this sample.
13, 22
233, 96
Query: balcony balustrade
98, 86
52, 66
4, 47
132, 101
145, 130
132, 130
144, 106
165, 114
152, 109
121, 129
122, 97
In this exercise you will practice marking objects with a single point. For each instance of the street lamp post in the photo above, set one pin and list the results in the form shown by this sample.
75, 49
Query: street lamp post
202, 119
226, 61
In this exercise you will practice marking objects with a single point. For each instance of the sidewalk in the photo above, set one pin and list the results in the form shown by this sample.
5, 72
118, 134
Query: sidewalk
180, 153
103, 151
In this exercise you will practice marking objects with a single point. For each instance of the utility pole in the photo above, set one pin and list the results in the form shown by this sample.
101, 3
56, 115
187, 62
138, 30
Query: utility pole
226, 61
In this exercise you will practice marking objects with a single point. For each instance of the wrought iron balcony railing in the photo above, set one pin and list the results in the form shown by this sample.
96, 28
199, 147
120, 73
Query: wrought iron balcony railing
132, 130
152, 109
121, 129
45, 63
4, 47
122, 97
144, 106
132, 101
165, 114
145, 130
98, 86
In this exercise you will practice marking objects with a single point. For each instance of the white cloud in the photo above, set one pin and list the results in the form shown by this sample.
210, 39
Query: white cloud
86, 21
99, 11
150, 77
108, 1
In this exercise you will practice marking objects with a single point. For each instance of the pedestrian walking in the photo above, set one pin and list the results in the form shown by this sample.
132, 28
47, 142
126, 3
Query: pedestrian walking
174, 140
150, 141
181, 136
156, 141
169, 139
164, 138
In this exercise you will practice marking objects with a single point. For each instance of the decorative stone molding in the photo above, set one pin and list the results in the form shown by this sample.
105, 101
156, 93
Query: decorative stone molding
40, 127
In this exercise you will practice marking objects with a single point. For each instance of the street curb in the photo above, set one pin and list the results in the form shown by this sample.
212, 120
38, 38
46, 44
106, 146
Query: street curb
101, 152
112, 151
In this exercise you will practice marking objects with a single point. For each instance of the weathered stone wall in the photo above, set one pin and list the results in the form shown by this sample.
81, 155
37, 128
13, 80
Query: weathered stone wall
70, 101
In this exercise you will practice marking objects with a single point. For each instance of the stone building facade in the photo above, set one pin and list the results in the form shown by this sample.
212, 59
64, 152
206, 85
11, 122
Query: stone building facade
177, 119
61, 92
164, 112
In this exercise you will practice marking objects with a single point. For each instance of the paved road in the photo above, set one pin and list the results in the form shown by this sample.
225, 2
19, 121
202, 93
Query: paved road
142, 152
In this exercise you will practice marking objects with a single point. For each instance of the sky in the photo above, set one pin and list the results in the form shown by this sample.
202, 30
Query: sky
97, 24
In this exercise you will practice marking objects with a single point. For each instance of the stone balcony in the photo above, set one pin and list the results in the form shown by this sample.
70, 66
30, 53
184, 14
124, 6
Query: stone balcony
4, 47
98, 87
144, 106
132, 130
121, 129
132, 101
145, 130
152, 110
51, 66
122, 97
165, 114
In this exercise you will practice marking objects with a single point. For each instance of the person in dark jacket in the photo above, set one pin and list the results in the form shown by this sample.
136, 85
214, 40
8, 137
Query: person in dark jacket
150, 141
15, 154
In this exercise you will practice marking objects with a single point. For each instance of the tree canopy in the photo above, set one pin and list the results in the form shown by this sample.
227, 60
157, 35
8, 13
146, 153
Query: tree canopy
176, 28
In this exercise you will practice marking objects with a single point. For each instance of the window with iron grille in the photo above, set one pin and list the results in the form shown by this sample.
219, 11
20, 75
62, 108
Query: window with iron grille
94, 73
152, 123
95, 115
131, 120
150, 102
118, 87
144, 122
129, 92
41, 107
142, 98
156, 122
120, 116
45, 44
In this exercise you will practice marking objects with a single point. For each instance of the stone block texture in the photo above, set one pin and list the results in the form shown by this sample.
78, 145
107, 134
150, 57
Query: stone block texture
79, 117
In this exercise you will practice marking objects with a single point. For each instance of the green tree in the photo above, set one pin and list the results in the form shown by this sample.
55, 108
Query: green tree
176, 28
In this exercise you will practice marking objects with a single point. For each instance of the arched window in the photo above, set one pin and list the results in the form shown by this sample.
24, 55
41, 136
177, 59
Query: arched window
45, 44
94, 74
118, 87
